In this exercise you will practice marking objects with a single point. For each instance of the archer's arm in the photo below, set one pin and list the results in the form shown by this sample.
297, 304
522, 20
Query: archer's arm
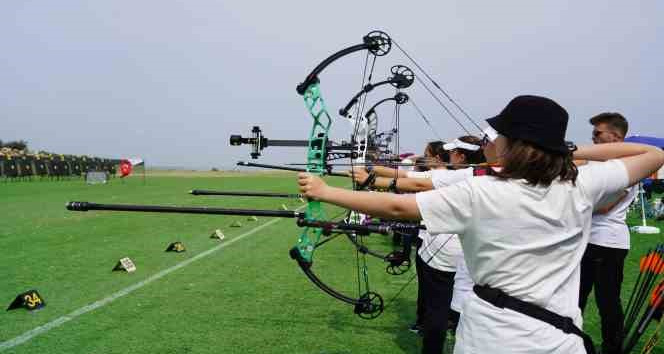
409, 185
404, 184
382, 171
384, 205
640, 160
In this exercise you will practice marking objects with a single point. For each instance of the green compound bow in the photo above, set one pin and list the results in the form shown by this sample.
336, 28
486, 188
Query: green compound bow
368, 304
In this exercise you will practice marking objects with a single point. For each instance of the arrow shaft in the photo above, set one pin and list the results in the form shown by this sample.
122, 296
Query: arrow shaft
246, 194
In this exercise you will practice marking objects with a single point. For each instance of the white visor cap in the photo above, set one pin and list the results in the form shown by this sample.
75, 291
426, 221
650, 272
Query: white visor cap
458, 144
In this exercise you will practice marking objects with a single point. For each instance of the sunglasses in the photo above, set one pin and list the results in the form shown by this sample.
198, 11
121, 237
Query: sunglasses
597, 133
489, 136
485, 140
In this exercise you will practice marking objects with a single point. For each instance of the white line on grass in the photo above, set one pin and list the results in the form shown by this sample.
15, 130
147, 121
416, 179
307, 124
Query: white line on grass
97, 304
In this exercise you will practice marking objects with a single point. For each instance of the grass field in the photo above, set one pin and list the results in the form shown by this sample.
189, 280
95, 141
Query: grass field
240, 295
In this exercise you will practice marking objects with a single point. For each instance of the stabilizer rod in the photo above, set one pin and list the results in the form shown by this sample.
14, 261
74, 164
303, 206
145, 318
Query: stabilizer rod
284, 168
342, 226
246, 194
85, 206
327, 226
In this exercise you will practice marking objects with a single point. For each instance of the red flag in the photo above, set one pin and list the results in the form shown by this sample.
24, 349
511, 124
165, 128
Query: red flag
126, 165
125, 168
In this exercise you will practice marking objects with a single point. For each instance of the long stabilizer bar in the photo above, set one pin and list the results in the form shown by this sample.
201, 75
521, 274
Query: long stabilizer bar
276, 167
85, 206
327, 226
245, 194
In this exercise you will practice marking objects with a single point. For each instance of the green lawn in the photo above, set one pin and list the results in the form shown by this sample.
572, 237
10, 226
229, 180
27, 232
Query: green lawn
245, 296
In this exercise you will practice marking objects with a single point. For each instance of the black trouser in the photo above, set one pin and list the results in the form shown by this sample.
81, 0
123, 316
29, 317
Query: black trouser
436, 289
453, 321
418, 270
602, 268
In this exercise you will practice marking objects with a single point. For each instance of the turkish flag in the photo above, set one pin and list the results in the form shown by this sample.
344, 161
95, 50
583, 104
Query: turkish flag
125, 168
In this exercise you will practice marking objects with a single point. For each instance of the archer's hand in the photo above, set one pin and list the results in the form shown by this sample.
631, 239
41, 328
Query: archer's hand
311, 186
359, 174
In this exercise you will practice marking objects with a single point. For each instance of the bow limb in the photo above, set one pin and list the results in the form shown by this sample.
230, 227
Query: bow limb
377, 43
372, 117
369, 304
402, 77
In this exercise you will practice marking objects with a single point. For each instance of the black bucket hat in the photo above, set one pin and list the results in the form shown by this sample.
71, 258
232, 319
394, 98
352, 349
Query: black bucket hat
537, 120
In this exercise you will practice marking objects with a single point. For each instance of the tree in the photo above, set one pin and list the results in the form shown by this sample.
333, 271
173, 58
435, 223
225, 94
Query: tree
16, 145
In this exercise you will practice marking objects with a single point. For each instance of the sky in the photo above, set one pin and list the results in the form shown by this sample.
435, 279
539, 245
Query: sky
170, 81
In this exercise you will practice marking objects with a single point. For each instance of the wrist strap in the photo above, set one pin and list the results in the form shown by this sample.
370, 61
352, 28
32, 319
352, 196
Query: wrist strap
393, 186
369, 182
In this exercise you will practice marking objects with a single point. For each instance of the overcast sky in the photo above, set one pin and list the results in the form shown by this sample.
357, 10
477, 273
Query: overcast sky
171, 80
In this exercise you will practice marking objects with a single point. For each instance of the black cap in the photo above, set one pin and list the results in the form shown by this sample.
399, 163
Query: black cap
537, 120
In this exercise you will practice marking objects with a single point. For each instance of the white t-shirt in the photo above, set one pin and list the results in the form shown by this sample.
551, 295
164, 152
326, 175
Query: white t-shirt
527, 241
407, 164
441, 251
418, 174
463, 284
610, 230
443, 178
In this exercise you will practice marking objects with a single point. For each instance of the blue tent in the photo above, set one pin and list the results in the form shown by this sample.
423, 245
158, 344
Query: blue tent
649, 140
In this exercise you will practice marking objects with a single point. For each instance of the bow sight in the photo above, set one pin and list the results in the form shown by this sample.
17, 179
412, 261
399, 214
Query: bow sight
258, 142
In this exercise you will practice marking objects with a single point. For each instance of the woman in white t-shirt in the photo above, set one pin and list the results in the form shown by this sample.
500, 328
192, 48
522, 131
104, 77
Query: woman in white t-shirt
435, 157
524, 230
438, 256
436, 274
443, 278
